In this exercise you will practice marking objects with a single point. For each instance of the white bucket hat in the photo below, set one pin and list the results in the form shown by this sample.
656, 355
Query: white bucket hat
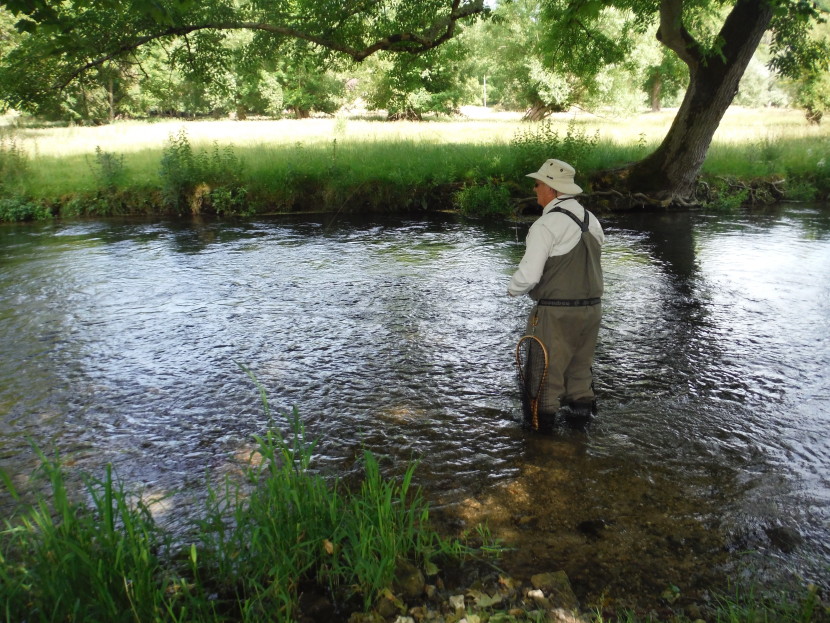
558, 175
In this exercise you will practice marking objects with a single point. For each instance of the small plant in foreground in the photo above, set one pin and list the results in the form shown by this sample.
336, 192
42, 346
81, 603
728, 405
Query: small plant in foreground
261, 541
749, 607
62, 560
294, 527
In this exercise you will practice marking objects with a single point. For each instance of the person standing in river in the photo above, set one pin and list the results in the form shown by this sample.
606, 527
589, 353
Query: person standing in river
561, 271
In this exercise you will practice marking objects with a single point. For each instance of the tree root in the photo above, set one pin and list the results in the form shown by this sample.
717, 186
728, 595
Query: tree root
758, 192
720, 192
637, 200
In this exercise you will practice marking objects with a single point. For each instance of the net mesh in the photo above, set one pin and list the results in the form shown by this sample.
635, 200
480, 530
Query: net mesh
532, 367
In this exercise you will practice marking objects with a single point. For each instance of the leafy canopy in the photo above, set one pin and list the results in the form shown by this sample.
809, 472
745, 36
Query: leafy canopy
68, 43
577, 38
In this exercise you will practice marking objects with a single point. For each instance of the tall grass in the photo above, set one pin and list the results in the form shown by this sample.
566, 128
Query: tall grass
99, 556
236, 168
745, 606
61, 560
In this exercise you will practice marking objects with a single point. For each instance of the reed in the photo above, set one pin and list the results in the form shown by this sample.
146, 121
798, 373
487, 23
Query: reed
262, 539
63, 560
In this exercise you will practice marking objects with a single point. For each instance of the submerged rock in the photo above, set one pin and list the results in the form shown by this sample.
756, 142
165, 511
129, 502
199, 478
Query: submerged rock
557, 588
409, 580
784, 538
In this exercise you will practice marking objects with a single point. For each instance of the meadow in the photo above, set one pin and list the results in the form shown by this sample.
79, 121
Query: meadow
475, 162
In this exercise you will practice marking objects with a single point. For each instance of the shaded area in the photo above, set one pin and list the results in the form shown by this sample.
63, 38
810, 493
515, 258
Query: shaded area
623, 534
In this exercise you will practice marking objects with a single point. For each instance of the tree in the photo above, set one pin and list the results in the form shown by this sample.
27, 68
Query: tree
715, 64
813, 95
664, 78
306, 89
69, 38
409, 86
506, 50
812, 85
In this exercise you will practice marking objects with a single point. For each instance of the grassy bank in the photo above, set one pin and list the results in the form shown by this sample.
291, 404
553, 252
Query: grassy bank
477, 164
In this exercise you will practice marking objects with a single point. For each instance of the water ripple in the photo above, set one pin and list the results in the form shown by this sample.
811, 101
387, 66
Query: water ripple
121, 343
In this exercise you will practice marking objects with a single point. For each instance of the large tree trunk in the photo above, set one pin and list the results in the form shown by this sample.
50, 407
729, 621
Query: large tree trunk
670, 173
537, 112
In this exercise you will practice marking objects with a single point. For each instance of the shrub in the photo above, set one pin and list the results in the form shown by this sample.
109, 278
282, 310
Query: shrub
728, 199
14, 165
800, 189
15, 209
187, 177
108, 169
541, 141
230, 201
488, 200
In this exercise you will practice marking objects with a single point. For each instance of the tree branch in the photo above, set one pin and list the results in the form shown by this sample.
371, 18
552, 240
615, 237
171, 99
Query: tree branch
673, 34
440, 31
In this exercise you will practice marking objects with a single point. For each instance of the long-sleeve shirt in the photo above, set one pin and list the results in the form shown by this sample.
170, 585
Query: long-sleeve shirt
552, 234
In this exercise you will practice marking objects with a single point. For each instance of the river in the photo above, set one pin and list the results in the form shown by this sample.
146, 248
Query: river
709, 460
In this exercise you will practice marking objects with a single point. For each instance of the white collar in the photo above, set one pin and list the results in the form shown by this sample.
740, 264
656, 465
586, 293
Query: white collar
556, 202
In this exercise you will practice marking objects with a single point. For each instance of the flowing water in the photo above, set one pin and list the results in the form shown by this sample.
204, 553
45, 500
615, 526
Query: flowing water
120, 342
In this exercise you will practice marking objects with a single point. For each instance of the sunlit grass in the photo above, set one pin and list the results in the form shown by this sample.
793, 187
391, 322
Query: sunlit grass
131, 136
739, 125
356, 163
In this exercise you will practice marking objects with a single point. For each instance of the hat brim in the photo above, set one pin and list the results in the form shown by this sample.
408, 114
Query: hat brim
562, 187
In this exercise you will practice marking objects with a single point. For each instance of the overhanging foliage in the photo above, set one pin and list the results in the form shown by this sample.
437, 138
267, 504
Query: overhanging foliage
79, 35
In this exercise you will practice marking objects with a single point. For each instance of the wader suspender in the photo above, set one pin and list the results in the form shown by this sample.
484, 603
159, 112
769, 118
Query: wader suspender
583, 225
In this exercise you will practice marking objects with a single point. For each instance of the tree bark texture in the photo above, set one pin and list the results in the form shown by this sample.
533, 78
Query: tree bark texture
670, 173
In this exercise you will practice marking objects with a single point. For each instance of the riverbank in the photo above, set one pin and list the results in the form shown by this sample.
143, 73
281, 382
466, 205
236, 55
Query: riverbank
475, 164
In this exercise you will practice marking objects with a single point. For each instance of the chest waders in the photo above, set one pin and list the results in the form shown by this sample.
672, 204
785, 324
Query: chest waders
572, 284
